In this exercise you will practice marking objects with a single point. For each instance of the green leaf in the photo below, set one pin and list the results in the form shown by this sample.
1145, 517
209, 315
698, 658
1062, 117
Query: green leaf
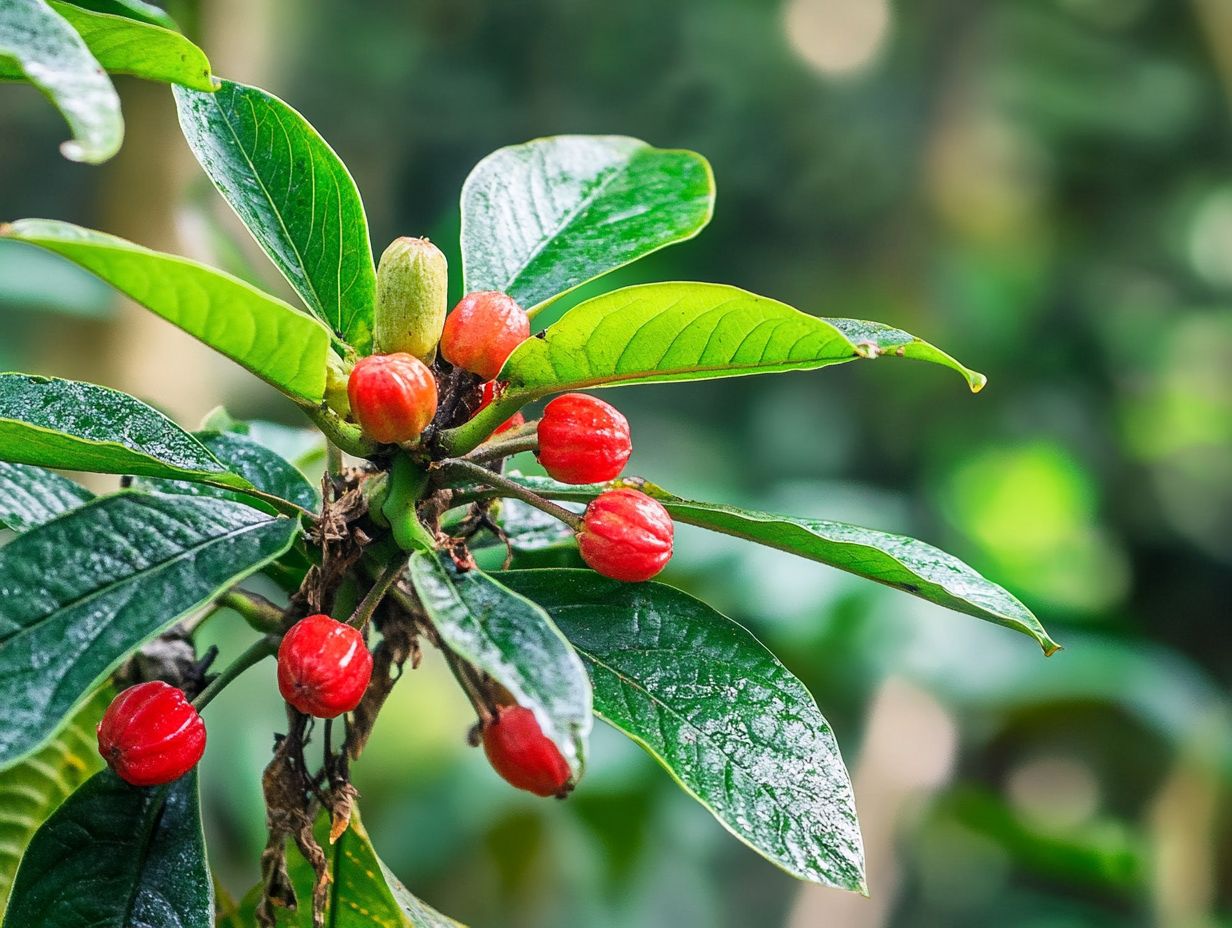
718, 711
30, 496
80, 592
277, 342
257, 464
294, 195
79, 426
542, 218
114, 856
38, 44
875, 340
126, 46
133, 9
513, 641
895, 560
303, 447
364, 892
31, 790
531, 529
656, 333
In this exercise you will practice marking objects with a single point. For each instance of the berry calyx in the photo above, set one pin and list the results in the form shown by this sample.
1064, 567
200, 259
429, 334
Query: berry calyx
323, 666
393, 396
151, 734
626, 535
482, 332
523, 755
488, 393
583, 439
412, 283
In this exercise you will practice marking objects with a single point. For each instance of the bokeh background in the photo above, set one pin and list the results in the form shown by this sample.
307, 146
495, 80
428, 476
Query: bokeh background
1041, 187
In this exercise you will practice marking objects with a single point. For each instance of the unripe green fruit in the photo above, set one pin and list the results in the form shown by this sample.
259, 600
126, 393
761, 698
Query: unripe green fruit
412, 293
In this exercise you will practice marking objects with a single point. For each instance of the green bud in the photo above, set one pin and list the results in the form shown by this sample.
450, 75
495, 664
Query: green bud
412, 291
337, 373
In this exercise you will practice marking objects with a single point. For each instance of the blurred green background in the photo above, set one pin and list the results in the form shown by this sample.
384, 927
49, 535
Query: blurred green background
1041, 187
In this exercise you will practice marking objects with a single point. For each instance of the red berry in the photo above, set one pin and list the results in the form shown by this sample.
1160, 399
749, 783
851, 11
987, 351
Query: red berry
626, 535
323, 666
482, 332
520, 752
583, 440
489, 391
151, 734
393, 396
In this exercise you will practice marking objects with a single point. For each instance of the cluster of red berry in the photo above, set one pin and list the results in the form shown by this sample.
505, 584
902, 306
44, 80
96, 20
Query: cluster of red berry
152, 734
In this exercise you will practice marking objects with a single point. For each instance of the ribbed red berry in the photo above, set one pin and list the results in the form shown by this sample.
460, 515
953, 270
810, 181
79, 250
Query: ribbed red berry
486, 396
520, 752
323, 666
151, 734
482, 332
393, 396
583, 439
626, 535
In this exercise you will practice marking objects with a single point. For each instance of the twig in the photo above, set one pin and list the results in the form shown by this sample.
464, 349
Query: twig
256, 652
468, 470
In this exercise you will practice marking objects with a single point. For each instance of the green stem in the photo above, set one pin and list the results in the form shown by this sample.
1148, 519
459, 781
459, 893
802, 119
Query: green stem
343, 434
258, 651
363, 612
475, 431
495, 450
256, 610
333, 457
465, 471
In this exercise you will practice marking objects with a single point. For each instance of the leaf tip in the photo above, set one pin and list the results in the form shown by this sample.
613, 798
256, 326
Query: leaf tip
976, 381
1050, 647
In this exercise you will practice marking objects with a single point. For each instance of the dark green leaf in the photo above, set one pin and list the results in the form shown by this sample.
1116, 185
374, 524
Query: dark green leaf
723, 716
303, 447
80, 592
133, 9
657, 333
294, 195
365, 892
261, 467
127, 46
114, 856
80, 426
895, 560
30, 496
37, 43
542, 218
531, 529
272, 339
31, 790
512, 640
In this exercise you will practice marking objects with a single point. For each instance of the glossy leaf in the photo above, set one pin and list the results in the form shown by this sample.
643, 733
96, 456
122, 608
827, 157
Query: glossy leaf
30, 496
123, 45
294, 195
38, 44
31, 790
895, 560
303, 447
364, 893
80, 592
512, 640
656, 333
531, 529
257, 464
114, 856
718, 711
133, 9
272, 339
542, 218
80, 426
